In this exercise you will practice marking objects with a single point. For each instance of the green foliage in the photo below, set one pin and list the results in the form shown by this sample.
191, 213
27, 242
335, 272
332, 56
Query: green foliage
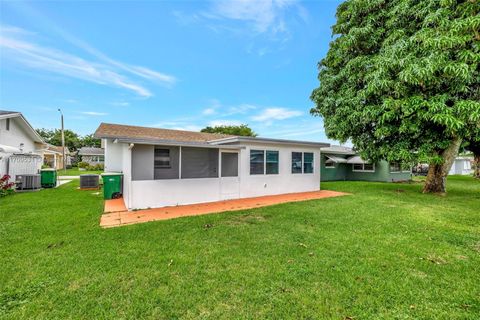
241, 130
72, 140
90, 141
83, 165
401, 78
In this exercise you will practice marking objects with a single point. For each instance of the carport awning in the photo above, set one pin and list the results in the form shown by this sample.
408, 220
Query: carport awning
8, 149
356, 160
335, 159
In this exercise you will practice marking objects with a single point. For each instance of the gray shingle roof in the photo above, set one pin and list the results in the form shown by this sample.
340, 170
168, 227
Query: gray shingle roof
86, 151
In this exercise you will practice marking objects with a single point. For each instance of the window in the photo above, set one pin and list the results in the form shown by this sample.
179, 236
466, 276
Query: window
257, 159
7, 125
162, 158
395, 167
364, 167
296, 162
302, 162
272, 162
398, 167
307, 162
330, 164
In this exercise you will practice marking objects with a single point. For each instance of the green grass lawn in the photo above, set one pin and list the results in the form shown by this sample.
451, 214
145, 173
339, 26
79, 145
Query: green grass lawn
77, 172
385, 252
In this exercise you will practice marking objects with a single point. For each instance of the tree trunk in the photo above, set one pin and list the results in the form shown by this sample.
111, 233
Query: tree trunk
437, 172
476, 164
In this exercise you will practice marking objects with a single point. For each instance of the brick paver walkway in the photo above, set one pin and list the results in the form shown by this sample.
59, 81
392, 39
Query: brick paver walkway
116, 214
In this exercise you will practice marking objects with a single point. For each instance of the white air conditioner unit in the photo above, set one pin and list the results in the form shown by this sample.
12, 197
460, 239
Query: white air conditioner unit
27, 181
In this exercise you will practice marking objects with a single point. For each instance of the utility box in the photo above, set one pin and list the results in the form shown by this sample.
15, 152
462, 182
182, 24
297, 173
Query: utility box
112, 185
89, 181
48, 178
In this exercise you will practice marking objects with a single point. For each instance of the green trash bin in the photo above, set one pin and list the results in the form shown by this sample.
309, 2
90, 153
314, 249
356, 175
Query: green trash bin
48, 178
112, 185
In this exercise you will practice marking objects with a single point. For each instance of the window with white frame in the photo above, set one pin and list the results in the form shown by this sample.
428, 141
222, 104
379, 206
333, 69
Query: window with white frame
329, 164
308, 162
364, 167
264, 162
271, 160
396, 167
302, 162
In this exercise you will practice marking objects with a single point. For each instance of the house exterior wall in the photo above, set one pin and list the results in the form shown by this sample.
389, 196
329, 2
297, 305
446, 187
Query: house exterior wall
142, 191
344, 171
113, 156
461, 166
13, 138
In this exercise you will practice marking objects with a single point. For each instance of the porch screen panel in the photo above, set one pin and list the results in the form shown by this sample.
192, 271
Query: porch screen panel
229, 164
166, 162
199, 163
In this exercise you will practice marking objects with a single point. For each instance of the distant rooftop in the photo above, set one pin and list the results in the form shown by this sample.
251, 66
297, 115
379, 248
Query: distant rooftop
338, 150
86, 151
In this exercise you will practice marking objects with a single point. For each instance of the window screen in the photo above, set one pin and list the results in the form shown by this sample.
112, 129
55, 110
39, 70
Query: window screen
368, 167
308, 162
257, 159
272, 162
162, 158
229, 164
395, 167
199, 163
358, 166
296, 162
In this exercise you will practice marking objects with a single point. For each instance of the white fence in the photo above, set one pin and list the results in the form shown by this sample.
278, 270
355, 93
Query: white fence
23, 164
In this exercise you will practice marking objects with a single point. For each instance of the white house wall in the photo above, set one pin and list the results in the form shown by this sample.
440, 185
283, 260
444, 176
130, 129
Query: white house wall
285, 181
113, 156
150, 193
14, 138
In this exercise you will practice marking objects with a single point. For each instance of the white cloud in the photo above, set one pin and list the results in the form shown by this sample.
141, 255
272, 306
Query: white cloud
120, 103
270, 114
94, 113
209, 111
262, 15
218, 123
105, 71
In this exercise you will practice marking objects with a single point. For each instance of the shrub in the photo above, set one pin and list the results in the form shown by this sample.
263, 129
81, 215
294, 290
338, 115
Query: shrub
83, 164
6, 187
96, 167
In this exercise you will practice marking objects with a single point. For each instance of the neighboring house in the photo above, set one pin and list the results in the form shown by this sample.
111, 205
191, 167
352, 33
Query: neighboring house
92, 156
343, 163
462, 165
53, 157
164, 167
21, 147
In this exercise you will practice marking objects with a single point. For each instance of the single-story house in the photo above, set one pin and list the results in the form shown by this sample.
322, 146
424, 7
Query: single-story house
53, 157
343, 163
163, 167
462, 165
21, 147
92, 156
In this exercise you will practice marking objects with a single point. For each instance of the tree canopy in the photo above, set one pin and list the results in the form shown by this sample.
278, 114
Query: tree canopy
72, 140
401, 78
240, 130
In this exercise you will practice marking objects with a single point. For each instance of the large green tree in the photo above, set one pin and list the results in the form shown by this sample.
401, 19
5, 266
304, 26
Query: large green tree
240, 130
401, 80
54, 137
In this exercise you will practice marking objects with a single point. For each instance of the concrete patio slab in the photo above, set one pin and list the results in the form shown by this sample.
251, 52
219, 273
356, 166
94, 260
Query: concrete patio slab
116, 214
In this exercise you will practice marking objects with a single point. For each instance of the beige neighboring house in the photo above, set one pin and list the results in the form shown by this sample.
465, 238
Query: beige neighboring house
53, 157
21, 147
92, 156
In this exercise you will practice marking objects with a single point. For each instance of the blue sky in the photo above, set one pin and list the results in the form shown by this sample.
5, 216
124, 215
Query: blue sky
170, 64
